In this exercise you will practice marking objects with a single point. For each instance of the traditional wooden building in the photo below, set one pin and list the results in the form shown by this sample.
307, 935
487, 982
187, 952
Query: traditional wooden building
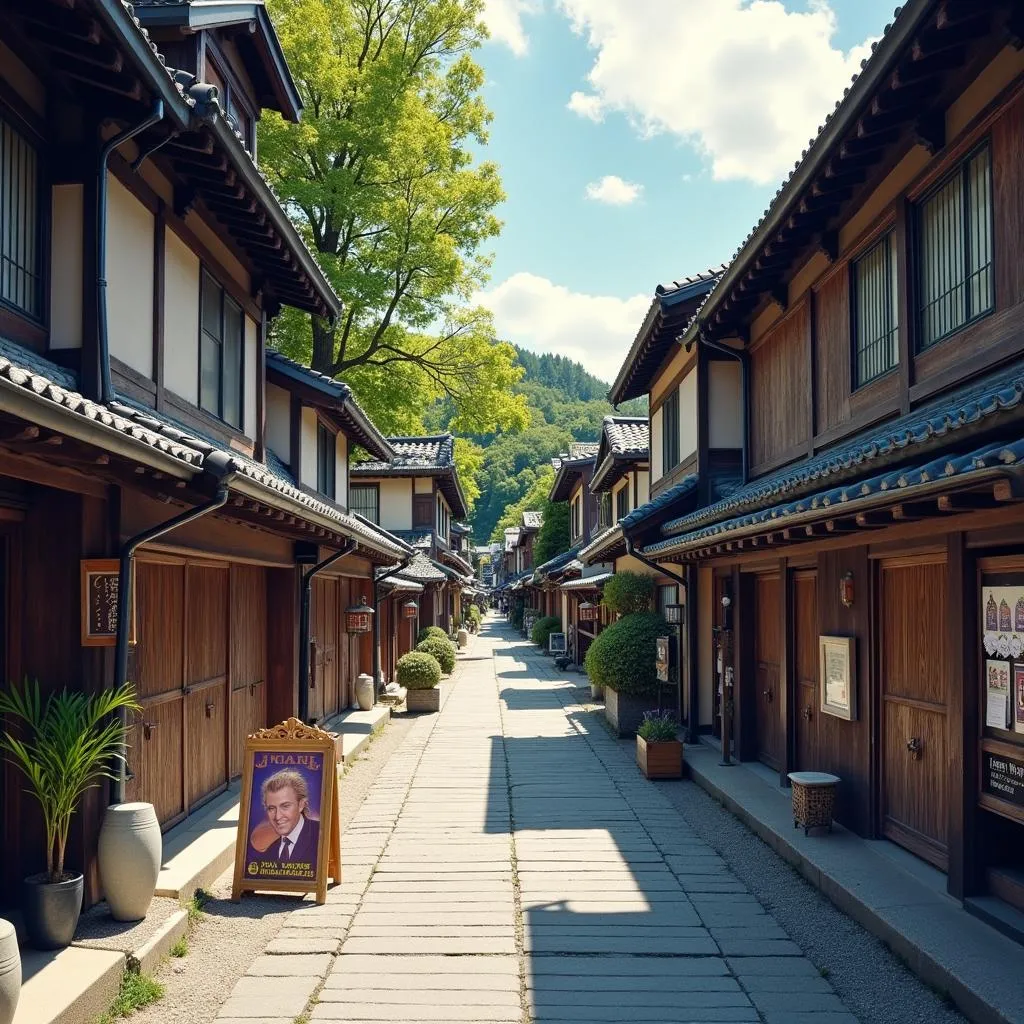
874, 535
143, 257
415, 494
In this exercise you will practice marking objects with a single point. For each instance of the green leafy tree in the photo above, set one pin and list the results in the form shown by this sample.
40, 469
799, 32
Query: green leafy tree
553, 537
469, 460
534, 500
382, 177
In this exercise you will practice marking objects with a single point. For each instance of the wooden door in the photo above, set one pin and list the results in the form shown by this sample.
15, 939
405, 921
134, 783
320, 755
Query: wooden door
805, 674
156, 744
206, 679
324, 648
767, 656
248, 662
914, 681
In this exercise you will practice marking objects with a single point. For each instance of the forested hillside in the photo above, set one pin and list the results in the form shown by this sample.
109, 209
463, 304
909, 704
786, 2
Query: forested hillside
566, 404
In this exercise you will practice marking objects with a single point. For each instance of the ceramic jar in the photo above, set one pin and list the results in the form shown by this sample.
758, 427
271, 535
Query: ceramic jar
130, 852
364, 692
10, 972
462, 637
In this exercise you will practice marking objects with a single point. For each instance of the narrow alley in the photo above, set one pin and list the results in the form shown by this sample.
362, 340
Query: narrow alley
512, 865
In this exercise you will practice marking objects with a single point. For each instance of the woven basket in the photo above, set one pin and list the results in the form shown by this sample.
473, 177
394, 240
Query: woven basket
813, 806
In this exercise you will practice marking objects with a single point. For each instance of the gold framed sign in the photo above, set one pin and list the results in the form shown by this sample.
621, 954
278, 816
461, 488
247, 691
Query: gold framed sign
289, 832
100, 578
838, 676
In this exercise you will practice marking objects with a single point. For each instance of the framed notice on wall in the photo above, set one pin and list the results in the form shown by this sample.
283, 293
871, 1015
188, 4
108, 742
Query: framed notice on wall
99, 578
838, 676
289, 833
661, 658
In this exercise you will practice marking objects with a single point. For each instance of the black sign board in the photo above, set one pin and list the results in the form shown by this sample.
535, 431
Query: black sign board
1003, 777
99, 602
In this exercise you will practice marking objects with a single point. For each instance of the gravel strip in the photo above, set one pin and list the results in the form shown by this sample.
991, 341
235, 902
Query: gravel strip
230, 936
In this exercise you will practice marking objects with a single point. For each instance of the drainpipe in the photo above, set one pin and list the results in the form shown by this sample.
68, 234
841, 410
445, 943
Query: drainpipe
102, 192
221, 467
378, 683
742, 357
307, 588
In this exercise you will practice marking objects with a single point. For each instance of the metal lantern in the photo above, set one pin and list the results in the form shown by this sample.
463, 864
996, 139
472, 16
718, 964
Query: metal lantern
589, 612
410, 610
674, 614
359, 618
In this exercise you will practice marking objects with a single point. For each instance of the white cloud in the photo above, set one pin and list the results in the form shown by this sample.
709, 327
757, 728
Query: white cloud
613, 190
746, 83
595, 330
586, 105
504, 19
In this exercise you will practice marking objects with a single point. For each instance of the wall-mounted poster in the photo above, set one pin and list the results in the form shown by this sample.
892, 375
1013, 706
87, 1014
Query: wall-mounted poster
661, 658
997, 694
1002, 611
288, 829
838, 676
1018, 697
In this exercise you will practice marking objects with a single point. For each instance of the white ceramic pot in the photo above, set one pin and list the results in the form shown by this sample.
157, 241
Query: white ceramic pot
364, 692
130, 853
10, 972
462, 637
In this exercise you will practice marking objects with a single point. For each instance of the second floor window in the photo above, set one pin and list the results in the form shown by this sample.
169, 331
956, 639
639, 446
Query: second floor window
326, 460
604, 510
670, 432
20, 249
876, 319
365, 499
622, 503
954, 274
576, 524
220, 354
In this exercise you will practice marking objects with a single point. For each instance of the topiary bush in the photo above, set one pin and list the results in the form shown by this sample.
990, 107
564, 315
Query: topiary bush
428, 631
442, 649
622, 656
543, 628
628, 593
474, 618
418, 671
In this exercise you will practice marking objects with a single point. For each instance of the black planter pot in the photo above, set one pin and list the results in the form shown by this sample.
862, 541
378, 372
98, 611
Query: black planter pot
51, 910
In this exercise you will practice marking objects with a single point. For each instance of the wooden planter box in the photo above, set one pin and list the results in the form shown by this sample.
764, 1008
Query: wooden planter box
423, 700
624, 714
662, 760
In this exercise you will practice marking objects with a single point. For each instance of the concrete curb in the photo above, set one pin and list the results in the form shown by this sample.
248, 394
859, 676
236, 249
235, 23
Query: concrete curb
972, 1003
151, 952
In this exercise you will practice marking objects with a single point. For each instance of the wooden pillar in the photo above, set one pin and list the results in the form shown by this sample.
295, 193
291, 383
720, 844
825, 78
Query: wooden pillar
962, 724
744, 665
282, 643
692, 648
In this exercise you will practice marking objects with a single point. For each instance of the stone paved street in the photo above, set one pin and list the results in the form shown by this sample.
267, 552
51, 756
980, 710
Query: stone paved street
512, 865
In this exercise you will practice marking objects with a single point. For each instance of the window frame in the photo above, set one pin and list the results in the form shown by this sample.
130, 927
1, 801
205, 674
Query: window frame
375, 488
887, 235
670, 454
225, 297
235, 95
958, 170
329, 465
619, 495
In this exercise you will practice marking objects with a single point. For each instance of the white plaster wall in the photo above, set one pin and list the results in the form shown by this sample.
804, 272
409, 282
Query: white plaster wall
643, 484
688, 415
395, 503
725, 412
423, 484
656, 445
66, 240
249, 425
307, 450
130, 228
341, 470
181, 319
278, 427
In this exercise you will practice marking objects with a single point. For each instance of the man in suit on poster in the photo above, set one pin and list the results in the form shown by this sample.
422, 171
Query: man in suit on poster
292, 853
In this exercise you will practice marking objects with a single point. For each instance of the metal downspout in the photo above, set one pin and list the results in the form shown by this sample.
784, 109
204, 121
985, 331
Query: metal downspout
307, 587
220, 466
102, 193
378, 683
741, 356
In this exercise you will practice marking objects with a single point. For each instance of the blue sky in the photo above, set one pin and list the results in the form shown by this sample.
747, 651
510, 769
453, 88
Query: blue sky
682, 117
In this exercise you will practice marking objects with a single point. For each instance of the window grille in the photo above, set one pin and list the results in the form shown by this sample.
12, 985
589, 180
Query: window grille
365, 500
876, 315
622, 503
221, 344
20, 251
955, 279
670, 432
326, 455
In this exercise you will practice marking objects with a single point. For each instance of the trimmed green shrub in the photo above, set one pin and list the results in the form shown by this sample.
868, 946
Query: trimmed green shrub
543, 628
418, 671
622, 657
442, 650
657, 727
474, 618
427, 631
516, 618
628, 593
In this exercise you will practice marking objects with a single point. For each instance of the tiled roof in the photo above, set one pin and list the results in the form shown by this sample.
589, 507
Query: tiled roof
711, 274
511, 537
420, 539
594, 582
397, 583
431, 452
583, 449
533, 520
602, 542
628, 435
422, 570
687, 487
558, 562
984, 462
969, 410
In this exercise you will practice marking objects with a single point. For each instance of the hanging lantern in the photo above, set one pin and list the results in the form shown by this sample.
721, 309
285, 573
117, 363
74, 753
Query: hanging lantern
410, 610
589, 612
359, 618
674, 614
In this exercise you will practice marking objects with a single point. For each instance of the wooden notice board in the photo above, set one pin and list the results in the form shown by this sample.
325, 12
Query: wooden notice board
100, 586
289, 828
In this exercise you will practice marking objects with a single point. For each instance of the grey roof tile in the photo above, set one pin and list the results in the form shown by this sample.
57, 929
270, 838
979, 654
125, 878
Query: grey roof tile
627, 435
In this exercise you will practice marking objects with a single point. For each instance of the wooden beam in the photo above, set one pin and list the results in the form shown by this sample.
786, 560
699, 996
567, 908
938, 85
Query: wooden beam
912, 510
965, 502
1009, 489
930, 130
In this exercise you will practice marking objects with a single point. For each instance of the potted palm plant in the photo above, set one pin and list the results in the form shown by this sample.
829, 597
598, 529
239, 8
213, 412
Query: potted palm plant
65, 745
